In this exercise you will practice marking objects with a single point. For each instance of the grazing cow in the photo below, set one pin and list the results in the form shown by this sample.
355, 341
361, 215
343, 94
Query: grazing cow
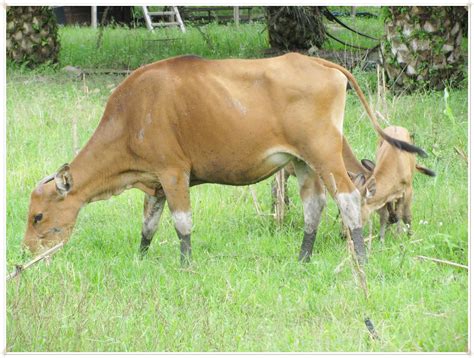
187, 121
389, 187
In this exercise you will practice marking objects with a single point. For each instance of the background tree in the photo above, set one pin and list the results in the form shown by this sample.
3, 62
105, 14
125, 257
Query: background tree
295, 27
32, 35
422, 46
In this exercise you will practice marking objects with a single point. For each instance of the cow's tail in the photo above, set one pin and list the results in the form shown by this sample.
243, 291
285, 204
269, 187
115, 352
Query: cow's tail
408, 147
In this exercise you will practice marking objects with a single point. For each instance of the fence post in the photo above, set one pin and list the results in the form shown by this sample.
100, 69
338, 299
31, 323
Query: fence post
94, 17
236, 15
353, 12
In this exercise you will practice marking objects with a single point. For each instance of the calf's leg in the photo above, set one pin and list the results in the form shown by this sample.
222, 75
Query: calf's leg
314, 200
406, 210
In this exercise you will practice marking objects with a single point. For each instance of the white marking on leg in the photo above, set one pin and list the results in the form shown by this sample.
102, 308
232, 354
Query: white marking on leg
349, 204
152, 216
313, 206
182, 222
151, 222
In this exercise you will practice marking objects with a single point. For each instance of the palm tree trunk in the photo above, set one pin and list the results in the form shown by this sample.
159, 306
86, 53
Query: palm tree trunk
422, 46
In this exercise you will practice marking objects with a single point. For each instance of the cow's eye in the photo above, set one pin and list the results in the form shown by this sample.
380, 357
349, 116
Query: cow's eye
37, 218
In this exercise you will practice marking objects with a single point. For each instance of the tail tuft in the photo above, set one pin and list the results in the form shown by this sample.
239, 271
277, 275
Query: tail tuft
400, 144
425, 171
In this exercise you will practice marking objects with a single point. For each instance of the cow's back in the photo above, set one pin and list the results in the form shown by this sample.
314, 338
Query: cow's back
221, 114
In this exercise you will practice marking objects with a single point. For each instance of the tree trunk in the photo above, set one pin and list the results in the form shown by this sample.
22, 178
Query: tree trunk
32, 35
422, 46
295, 27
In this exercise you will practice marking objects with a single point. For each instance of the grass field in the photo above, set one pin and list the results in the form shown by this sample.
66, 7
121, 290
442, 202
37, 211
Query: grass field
245, 290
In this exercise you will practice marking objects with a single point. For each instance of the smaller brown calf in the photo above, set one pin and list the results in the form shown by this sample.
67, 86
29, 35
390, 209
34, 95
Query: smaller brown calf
389, 187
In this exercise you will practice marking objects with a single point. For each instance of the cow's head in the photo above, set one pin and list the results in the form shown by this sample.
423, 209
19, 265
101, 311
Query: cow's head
52, 213
366, 186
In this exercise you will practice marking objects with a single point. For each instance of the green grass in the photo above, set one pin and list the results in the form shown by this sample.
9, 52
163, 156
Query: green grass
124, 48
245, 290
373, 27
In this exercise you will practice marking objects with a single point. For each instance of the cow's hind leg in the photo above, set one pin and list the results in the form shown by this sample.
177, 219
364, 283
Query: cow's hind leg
328, 161
153, 208
175, 184
314, 200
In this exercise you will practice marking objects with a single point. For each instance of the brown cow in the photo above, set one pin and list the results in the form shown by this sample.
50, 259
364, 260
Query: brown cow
389, 188
187, 121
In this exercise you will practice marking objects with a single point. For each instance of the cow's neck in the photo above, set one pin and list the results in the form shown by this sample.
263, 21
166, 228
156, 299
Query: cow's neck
101, 169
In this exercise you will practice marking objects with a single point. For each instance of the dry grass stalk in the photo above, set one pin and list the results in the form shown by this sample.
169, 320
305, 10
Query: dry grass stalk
462, 154
369, 239
20, 268
334, 186
446, 262
255, 201
378, 86
280, 197
75, 141
382, 117
85, 88
358, 269
339, 267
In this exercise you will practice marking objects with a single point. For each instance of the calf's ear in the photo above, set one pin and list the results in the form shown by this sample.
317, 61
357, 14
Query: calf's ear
352, 176
358, 180
63, 180
370, 188
368, 164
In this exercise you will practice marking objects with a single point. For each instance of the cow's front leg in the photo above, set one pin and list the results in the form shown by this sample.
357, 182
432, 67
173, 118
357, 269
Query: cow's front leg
175, 184
152, 210
314, 200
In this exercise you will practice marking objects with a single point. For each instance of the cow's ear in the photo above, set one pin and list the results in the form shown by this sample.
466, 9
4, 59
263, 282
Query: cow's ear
368, 164
63, 180
370, 188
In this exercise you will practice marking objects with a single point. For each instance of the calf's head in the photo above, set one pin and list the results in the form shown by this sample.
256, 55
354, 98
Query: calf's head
52, 212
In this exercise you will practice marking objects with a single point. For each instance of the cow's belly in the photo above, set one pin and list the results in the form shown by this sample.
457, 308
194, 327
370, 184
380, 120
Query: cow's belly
241, 170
